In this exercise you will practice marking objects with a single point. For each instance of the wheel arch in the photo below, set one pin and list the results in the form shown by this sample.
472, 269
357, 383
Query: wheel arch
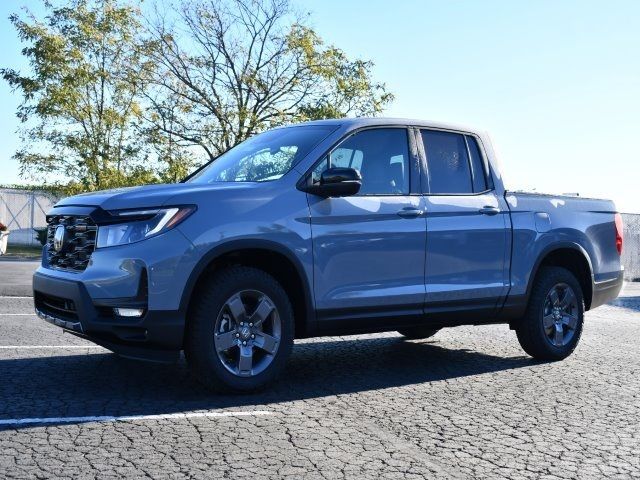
269, 256
574, 258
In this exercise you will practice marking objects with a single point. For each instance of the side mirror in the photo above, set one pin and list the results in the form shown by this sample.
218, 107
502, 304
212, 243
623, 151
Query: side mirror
336, 182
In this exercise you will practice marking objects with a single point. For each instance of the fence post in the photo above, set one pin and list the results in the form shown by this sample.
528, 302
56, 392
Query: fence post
33, 216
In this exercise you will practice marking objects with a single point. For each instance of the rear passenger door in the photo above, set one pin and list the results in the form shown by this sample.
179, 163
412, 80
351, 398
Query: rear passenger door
467, 245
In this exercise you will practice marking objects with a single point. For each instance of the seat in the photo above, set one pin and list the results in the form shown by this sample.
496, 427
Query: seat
380, 177
398, 179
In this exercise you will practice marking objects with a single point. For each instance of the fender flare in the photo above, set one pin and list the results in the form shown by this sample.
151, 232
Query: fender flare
243, 244
558, 246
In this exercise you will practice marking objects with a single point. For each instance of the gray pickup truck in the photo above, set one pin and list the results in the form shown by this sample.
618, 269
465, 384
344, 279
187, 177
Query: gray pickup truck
333, 227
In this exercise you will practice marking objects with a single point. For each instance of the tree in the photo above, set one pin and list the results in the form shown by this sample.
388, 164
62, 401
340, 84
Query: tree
110, 100
80, 107
229, 69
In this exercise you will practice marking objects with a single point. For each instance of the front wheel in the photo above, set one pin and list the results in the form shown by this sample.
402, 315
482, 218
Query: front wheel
240, 331
552, 325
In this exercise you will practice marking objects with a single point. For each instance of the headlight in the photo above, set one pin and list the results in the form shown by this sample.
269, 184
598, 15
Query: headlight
132, 226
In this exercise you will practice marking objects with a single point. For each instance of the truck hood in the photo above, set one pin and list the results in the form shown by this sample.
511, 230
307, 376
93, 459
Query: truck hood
147, 196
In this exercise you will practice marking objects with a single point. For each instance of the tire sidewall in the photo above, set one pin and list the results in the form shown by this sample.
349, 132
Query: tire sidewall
555, 276
209, 365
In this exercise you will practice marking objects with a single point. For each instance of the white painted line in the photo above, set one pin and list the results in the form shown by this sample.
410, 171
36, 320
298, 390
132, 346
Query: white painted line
44, 347
17, 314
10, 296
131, 418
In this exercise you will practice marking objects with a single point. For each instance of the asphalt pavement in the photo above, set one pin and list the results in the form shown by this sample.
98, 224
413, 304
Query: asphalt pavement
15, 276
467, 403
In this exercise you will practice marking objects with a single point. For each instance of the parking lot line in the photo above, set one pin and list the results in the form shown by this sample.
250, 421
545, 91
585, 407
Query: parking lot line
52, 347
17, 314
130, 418
10, 296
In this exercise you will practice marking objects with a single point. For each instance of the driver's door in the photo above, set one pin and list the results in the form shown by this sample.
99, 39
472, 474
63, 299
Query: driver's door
369, 248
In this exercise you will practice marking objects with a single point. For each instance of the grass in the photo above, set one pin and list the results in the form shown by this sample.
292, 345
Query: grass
23, 251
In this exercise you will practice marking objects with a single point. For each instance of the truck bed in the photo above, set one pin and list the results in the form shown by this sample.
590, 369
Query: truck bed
541, 222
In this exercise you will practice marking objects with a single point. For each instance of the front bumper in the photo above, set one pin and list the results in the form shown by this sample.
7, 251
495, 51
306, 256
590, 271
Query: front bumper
156, 336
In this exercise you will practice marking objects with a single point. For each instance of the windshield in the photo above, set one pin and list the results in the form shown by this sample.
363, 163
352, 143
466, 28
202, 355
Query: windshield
265, 157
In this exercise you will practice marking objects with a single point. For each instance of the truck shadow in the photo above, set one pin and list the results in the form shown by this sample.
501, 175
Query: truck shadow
102, 384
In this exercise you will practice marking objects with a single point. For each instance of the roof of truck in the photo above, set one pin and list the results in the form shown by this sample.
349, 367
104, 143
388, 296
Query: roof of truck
380, 121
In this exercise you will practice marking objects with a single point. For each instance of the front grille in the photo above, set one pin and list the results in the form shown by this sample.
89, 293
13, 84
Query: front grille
79, 243
56, 306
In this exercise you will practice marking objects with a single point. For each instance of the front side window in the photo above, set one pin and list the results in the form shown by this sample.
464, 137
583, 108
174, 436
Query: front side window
347, 157
380, 155
267, 156
447, 163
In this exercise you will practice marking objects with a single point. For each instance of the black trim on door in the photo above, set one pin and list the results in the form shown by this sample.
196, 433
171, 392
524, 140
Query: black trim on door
353, 321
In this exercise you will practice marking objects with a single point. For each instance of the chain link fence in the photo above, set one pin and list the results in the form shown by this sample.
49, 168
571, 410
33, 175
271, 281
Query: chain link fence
631, 248
22, 211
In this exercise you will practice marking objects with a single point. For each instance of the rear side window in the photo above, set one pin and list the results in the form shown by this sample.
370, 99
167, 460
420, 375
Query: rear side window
454, 163
447, 163
477, 166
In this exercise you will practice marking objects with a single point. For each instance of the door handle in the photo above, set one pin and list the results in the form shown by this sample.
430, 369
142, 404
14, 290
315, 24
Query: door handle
489, 210
410, 212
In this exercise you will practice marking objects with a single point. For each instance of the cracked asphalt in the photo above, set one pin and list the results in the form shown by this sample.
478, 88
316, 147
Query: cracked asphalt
465, 404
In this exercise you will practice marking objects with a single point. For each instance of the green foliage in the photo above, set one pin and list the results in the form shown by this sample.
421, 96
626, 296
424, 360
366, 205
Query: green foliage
41, 233
233, 68
80, 101
342, 86
110, 100
47, 188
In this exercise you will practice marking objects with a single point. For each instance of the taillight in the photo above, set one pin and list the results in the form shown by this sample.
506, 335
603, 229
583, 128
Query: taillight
619, 233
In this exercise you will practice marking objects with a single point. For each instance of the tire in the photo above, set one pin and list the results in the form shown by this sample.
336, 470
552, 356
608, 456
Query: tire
226, 304
545, 332
416, 333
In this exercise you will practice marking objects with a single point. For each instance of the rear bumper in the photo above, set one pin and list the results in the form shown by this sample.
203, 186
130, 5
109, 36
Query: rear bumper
156, 336
607, 290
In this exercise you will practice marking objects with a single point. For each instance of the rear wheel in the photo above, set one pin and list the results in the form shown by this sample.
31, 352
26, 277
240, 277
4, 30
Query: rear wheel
415, 333
240, 332
552, 325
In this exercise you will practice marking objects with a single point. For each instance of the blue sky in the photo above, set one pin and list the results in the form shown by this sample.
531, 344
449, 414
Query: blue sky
556, 83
